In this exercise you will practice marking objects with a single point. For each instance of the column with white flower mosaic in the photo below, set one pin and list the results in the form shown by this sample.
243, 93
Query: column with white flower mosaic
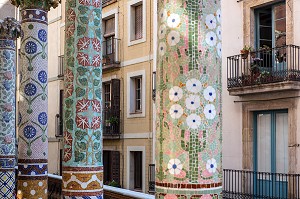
33, 104
9, 31
188, 145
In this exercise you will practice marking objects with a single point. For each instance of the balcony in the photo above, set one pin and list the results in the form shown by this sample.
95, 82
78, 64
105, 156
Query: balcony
111, 52
251, 184
151, 179
266, 70
111, 123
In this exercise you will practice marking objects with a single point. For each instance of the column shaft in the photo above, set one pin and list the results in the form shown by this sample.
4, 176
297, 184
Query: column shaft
82, 164
33, 105
188, 145
7, 106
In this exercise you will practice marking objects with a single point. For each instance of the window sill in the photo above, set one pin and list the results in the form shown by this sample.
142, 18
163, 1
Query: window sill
136, 114
137, 41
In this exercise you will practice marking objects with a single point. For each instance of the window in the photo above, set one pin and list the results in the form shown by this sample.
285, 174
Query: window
138, 94
136, 170
107, 95
109, 35
138, 21
111, 165
271, 26
59, 117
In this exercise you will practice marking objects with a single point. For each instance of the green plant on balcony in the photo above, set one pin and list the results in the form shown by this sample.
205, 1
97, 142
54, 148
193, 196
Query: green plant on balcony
245, 51
111, 121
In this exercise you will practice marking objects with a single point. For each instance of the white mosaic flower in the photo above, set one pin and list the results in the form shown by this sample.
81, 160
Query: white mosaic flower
210, 111
192, 102
175, 166
162, 15
175, 93
219, 32
162, 48
193, 121
211, 38
210, 94
219, 49
176, 111
162, 32
219, 17
193, 85
211, 165
211, 21
173, 20
173, 38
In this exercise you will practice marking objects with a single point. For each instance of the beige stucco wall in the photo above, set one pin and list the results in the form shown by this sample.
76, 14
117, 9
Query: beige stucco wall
232, 42
7, 9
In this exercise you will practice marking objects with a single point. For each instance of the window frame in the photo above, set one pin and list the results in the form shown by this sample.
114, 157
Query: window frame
131, 22
129, 165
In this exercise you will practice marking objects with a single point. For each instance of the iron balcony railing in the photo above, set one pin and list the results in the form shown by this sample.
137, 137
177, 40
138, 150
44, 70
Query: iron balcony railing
111, 126
111, 53
268, 65
251, 184
60, 66
107, 2
151, 178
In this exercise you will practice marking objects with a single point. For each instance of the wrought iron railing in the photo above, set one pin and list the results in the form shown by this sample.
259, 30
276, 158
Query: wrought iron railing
251, 184
60, 66
151, 178
111, 52
107, 2
268, 65
111, 122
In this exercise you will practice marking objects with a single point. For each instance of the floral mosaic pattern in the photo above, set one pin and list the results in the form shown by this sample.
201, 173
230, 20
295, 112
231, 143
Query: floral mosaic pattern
33, 106
9, 31
82, 103
188, 101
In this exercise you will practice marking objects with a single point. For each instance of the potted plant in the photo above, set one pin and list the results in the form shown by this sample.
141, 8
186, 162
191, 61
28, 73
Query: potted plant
245, 51
254, 68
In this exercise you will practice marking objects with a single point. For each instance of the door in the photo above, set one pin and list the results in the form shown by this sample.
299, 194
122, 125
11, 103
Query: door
270, 153
271, 33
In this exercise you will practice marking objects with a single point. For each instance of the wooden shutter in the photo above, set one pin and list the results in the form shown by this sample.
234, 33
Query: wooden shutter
115, 94
139, 22
115, 166
109, 27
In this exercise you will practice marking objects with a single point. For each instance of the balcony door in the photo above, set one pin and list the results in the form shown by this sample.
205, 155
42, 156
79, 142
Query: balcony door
271, 33
271, 153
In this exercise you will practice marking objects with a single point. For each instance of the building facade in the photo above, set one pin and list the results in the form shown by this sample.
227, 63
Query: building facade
261, 97
127, 91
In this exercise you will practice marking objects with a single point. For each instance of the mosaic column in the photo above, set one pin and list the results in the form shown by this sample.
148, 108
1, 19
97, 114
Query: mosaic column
188, 145
82, 165
9, 31
33, 105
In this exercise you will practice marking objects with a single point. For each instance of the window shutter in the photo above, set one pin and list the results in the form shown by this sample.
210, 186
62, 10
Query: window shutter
139, 22
115, 98
115, 166
109, 27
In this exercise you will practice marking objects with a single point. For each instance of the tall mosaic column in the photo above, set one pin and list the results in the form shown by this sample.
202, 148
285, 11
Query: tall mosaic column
188, 145
33, 105
82, 164
10, 30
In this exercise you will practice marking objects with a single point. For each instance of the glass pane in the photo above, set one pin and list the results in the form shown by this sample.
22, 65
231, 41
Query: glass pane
280, 11
265, 33
282, 156
264, 142
265, 17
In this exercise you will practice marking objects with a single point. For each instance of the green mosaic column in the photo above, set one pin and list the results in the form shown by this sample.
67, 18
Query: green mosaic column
33, 105
9, 31
188, 145
82, 165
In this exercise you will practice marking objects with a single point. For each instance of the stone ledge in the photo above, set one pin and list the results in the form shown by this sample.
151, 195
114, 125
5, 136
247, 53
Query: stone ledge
264, 88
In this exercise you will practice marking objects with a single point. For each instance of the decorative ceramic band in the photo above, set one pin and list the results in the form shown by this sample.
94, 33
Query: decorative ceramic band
33, 115
7, 122
82, 165
188, 98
